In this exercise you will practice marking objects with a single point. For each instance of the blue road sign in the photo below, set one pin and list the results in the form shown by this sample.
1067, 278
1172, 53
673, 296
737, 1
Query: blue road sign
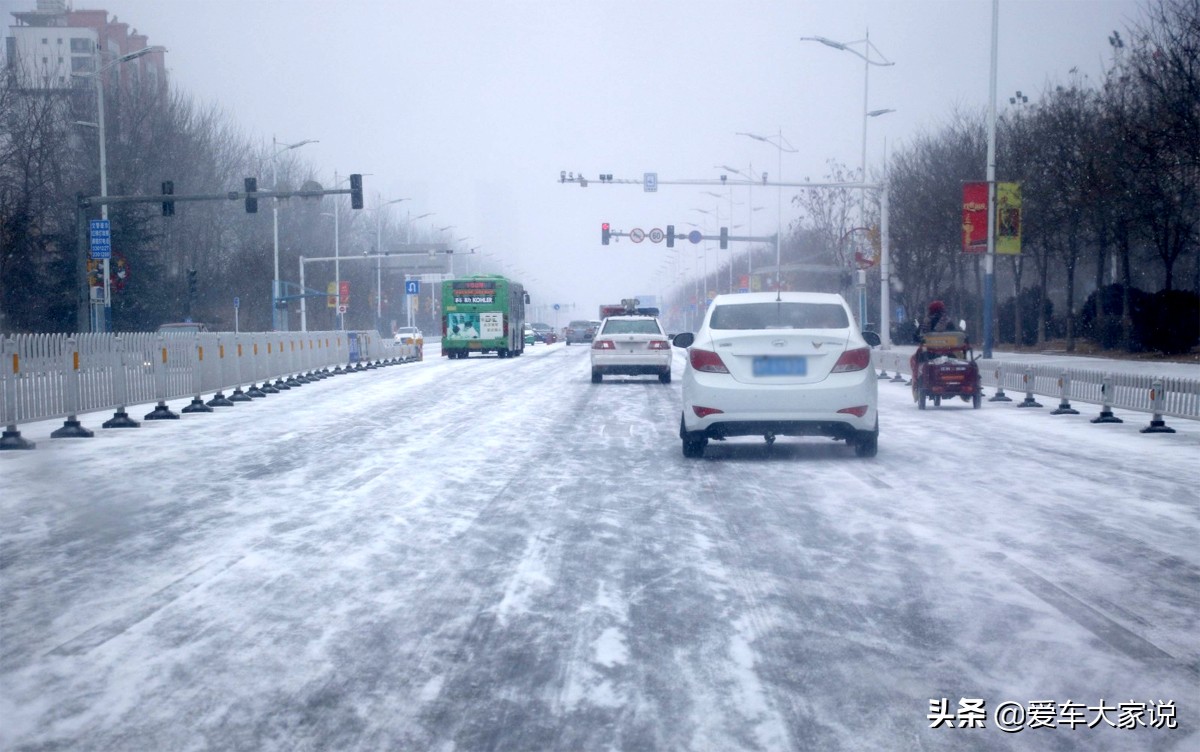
101, 239
412, 287
237, 302
695, 236
556, 306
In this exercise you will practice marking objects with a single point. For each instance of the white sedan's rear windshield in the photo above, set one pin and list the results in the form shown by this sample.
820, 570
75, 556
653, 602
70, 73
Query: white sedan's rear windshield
781, 315
634, 326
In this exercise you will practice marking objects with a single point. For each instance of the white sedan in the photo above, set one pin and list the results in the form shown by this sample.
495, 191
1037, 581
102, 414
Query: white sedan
786, 364
631, 345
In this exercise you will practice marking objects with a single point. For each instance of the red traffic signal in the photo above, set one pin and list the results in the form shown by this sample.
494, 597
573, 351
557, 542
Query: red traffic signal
605, 233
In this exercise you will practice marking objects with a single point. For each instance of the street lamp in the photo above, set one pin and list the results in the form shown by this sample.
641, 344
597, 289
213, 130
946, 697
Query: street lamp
868, 48
105, 324
782, 145
279, 321
379, 261
337, 254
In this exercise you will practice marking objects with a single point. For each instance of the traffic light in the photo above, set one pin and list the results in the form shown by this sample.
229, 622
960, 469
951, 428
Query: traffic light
356, 201
670, 236
724, 238
191, 277
168, 207
251, 201
604, 233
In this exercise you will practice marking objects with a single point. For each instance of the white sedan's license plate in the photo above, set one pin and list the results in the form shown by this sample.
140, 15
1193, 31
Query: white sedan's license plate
774, 366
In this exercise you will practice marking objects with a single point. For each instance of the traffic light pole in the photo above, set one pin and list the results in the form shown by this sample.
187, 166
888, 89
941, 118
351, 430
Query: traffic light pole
168, 199
885, 245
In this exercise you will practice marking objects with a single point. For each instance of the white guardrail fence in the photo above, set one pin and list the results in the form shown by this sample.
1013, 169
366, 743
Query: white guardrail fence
47, 376
1159, 396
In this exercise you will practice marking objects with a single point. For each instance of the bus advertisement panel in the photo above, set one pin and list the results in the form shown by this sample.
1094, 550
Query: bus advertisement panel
482, 314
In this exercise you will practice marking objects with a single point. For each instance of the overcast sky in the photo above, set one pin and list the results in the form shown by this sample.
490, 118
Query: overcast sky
472, 108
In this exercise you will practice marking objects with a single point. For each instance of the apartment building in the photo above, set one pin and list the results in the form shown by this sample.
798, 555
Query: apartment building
47, 47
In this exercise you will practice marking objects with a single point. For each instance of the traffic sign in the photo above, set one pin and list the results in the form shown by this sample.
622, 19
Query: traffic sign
412, 287
341, 309
637, 235
556, 306
656, 235
237, 302
650, 182
101, 239
695, 236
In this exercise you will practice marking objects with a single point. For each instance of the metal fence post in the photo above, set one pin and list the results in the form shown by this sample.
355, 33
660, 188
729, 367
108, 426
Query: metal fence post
1064, 404
1157, 424
71, 428
161, 411
238, 395
1106, 413
10, 371
1000, 396
1029, 400
219, 399
120, 382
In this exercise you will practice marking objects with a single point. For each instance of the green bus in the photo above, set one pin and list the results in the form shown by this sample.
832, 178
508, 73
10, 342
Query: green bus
481, 314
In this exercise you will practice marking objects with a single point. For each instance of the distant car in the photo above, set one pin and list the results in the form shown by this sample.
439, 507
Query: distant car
579, 331
409, 335
530, 335
792, 365
545, 333
631, 345
183, 327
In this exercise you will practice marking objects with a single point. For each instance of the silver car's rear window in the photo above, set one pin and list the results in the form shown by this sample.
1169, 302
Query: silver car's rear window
633, 326
779, 315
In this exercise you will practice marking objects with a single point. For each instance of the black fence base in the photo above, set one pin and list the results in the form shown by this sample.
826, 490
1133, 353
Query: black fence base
1029, 402
281, 385
1064, 408
12, 440
1157, 426
1106, 416
238, 396
197, 406
219, 400
161, 412
120, 419
1000, 396
72, 430
255, 392
292, 382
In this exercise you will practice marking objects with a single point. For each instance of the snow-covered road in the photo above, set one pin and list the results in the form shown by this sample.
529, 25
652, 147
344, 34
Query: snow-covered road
499, 555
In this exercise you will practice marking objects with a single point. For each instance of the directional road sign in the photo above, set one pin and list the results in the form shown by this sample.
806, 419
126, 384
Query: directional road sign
412, 287
650, 182
695, 236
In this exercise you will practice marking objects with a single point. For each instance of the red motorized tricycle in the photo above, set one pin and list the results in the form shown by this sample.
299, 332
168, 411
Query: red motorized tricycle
944, 366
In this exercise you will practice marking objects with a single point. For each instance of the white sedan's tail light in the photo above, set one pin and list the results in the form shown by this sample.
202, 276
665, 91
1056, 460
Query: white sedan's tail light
604, 344
659, 344
853, 360
707, 361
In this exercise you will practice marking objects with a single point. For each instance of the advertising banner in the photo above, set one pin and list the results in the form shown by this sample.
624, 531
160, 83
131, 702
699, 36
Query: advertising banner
462, 326
474, 292
331, 295
1008, 218
974, 217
